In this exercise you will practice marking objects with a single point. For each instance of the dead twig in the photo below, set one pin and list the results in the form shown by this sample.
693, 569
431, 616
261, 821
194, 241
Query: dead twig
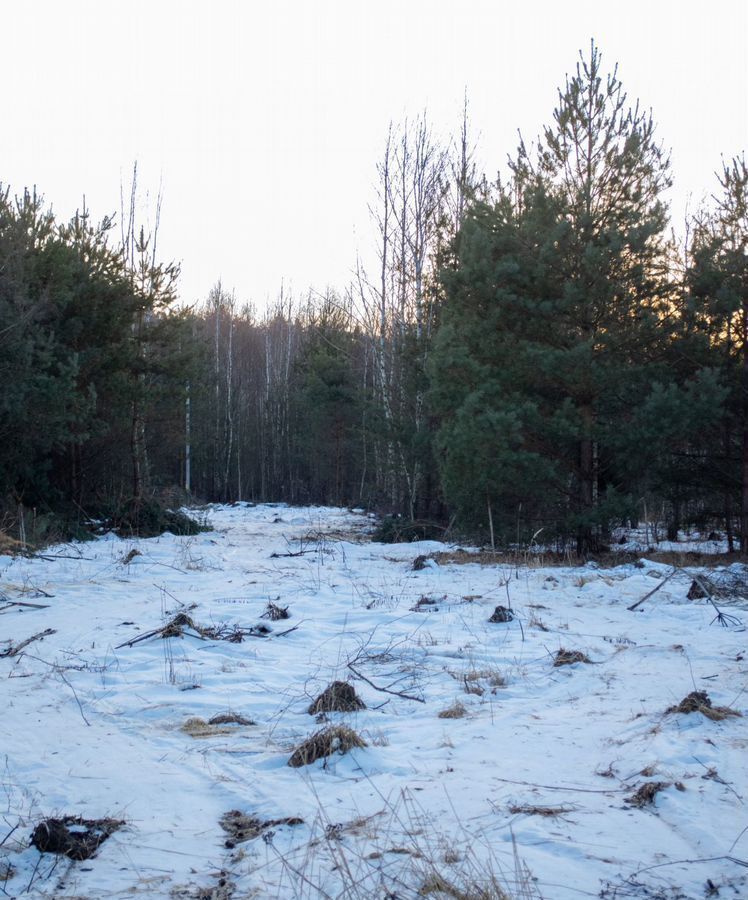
21, 603
15, 650
83, 716
61, 556
383, 689
139, 638
558, 787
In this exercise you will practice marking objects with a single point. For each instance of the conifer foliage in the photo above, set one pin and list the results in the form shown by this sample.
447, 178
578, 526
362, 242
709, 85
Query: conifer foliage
556, 321
81, 343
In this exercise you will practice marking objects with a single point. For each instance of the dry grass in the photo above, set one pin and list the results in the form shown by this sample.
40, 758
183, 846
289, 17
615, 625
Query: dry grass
337, 697
501, 614
436, 884
646, 793
73, 836
478, 681
320, 745
606, 560
464, 557
455, 711
222, 724
10, 546
425, 604
274, 612
548, 812
693, 558
536, 622
569, 657
230, 719
240, 827
699, 701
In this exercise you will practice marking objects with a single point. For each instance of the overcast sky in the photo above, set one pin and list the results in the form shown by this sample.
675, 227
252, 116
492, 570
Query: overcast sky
265, 121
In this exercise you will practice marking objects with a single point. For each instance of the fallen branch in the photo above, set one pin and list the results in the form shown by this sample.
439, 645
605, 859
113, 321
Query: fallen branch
14, 651
558, 787
182, 624
291, 553
21, 603
139, 638
653, 591
383, 689
61, 556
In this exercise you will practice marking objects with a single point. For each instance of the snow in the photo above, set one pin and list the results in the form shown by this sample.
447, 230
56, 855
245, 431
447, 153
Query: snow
92, 728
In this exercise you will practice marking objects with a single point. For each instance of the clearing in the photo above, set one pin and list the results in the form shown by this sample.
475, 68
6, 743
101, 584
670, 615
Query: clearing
279, 708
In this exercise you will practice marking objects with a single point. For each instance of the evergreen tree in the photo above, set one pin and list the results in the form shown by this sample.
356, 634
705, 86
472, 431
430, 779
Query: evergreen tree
718, 284
557, 311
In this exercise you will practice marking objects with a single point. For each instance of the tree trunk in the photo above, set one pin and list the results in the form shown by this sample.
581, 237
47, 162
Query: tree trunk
587, 541
674, 524
137, 447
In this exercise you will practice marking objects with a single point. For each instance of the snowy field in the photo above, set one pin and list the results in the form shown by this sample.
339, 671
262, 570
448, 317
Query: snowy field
488, 771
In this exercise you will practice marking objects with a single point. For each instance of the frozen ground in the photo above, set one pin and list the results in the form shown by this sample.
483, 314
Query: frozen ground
524, 793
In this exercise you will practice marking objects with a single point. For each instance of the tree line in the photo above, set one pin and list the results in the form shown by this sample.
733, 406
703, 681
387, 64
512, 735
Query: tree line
533, 356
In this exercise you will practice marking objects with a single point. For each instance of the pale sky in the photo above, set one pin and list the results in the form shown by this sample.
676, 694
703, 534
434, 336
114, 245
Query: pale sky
265, 121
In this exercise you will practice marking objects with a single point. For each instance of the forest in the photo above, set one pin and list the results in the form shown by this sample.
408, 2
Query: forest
542, 356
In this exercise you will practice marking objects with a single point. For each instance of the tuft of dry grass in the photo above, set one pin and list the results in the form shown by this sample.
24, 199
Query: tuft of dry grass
321, 744
74, 836
275, 612
691, 558
501, 614
699, 701
461, 557
437, 884
569, 657
220, 724
10, 546
646, 793
337, 697
455, 711
240, 827
536, 622
230, 719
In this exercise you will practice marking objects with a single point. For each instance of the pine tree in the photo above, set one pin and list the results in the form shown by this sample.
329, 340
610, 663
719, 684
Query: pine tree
718, 283
556, 310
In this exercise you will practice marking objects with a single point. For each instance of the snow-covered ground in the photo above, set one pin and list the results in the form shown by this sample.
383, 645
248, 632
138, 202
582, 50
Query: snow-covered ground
522, 788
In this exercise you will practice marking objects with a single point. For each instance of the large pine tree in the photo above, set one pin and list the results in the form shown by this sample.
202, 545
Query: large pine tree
554, 315
718, 293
